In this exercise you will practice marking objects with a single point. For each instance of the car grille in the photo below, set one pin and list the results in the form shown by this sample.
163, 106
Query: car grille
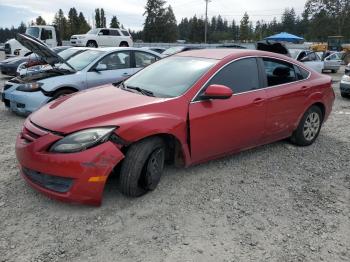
73, 38
7, 49
53, 183
28, 135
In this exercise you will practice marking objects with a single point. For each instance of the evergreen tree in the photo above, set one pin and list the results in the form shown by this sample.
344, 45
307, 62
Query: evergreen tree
153, 27
170, 32
245, 30
40, 21
97, 18
84, 27
73, 22
103, 18
22, 28
114, 22
60, 22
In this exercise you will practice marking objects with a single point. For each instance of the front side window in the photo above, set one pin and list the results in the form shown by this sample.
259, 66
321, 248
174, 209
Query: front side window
279, 72
171, 77
241, 76
143, 59
114, 61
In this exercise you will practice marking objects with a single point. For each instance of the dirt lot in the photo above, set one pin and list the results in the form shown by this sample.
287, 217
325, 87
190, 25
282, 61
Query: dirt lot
273, 203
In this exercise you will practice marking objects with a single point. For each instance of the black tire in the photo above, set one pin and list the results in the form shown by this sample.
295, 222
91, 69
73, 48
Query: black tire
91, 44
142, 167
308, 130
124, 44
344, 95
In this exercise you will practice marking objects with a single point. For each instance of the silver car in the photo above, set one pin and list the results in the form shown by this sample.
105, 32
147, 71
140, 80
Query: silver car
90, 68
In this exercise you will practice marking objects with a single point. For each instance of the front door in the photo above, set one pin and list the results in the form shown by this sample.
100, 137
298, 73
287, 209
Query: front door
221, 126
112, 68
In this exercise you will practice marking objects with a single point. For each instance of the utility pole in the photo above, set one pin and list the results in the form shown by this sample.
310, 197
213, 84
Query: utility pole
206, 20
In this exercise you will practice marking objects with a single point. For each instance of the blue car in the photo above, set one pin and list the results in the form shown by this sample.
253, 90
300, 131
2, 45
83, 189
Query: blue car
89, 68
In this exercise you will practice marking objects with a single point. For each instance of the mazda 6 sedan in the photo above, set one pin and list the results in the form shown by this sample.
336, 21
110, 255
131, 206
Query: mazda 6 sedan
183, 110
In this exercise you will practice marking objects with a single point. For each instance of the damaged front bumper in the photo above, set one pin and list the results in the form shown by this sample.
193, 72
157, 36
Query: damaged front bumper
74, 177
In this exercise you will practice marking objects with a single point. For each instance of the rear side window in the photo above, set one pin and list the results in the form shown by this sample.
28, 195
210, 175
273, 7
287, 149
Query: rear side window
114, 32
279, 72
125, 32
301, 73
241, 76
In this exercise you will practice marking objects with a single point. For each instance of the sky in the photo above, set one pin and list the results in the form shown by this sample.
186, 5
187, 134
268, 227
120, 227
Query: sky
130, 12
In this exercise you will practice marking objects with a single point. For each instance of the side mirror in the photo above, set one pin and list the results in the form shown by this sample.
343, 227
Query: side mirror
217, 92
100, 67
100, 33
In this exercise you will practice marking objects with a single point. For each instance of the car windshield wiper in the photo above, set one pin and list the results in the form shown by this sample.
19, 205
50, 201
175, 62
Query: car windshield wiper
140, 90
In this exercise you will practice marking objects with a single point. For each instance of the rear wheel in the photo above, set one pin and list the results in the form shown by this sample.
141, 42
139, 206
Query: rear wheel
309, 127
124, 44
142, 167
91, 44
345, 95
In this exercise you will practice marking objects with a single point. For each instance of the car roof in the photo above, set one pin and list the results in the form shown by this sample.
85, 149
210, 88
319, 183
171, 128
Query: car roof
112, 49
220, 54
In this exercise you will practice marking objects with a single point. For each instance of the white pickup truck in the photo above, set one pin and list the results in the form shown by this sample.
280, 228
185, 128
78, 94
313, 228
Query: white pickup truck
46, 33
103, 37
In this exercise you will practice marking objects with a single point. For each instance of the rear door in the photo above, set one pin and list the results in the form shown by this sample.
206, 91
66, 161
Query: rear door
333, 62
114, 67
286, 92
221, 126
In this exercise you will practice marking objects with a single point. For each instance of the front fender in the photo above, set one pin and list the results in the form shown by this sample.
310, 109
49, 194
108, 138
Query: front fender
136, 128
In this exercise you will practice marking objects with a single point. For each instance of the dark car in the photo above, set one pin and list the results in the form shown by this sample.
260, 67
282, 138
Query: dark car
234, 46
178, 49
9, 66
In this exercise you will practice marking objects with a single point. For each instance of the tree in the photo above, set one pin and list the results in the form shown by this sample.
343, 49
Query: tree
337, 10
40, 21
170, 32
97, 18
114, 22
73, 22
103, 18
83, 24
22, 28
153, 26
60, 22
289, 21
245, 30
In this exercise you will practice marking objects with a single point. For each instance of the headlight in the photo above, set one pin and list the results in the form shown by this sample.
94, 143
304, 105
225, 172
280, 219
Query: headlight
81, 37
82, 140
30, 87
346, 78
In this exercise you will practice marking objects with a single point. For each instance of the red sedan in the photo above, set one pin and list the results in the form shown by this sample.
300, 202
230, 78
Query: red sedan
185, 109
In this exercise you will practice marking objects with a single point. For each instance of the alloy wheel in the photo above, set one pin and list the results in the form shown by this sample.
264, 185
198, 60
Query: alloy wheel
311, 126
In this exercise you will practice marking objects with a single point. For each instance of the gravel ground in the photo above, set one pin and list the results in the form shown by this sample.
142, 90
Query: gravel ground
273, 203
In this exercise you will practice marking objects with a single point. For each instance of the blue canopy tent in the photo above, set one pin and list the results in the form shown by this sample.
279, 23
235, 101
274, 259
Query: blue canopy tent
285, 37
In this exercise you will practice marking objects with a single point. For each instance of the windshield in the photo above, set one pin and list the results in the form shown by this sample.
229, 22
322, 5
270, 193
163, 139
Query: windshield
82, 60
68, 53
173, 50
171, 77
33, 31
93, 32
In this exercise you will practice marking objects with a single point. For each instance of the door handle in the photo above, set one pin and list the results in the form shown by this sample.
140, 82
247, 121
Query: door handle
258, 101
304, 87
125, 74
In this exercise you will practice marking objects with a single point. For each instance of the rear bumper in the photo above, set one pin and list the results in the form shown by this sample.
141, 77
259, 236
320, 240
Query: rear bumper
77, 177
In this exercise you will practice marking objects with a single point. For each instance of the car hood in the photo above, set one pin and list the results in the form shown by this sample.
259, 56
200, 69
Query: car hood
41, 49
101, 106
